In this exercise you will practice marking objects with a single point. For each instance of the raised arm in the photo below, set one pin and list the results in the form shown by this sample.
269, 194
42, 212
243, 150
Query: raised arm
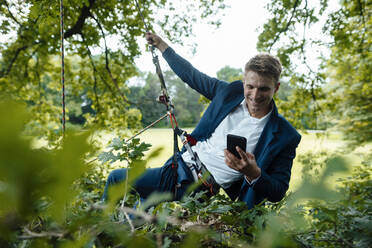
202, 83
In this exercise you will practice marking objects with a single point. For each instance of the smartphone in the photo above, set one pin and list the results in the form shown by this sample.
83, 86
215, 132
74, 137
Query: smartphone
234, 141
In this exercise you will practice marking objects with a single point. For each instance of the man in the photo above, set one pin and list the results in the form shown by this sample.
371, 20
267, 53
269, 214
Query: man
241, 108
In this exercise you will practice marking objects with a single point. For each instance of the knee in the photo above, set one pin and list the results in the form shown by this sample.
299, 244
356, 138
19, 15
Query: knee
117, 176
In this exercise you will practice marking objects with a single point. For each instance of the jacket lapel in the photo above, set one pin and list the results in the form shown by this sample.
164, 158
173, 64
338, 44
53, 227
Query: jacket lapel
246, 193
229, 106
219, 108
267, 136
224, 103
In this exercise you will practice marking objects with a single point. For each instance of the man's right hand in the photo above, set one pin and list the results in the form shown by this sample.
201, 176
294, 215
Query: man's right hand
156, 41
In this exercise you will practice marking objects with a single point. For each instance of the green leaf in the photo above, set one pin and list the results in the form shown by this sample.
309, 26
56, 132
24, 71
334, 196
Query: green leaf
154, 199
108, 157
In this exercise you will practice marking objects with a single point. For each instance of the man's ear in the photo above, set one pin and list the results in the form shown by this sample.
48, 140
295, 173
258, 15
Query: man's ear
277, 87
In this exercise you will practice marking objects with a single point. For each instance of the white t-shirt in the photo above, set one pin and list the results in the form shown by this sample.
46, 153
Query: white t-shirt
211, 151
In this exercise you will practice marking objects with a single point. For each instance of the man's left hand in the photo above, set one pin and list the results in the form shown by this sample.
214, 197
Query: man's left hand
246, 165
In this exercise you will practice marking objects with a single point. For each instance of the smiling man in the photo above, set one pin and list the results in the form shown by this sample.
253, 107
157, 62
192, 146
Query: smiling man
245, 109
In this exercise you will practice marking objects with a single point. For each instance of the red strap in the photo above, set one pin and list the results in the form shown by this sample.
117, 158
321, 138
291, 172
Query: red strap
192, 141
206, 184
172, 118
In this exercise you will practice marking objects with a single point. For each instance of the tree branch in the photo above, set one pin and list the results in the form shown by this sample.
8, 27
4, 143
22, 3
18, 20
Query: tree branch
95, 92
340, 239
6, 71
276, 38
95, 69
94, 75
107, 60
148, 217
361, 13
78, 27
32, 235
11, 14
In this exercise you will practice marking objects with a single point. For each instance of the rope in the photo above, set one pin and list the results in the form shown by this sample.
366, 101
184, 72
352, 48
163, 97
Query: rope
62, 71
143, 19
165, 97
144, 129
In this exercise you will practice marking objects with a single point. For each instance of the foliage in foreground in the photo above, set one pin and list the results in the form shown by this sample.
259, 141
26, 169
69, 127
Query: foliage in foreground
52, 198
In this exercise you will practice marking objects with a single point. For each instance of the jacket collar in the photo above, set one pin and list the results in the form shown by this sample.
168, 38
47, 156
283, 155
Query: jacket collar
231, 100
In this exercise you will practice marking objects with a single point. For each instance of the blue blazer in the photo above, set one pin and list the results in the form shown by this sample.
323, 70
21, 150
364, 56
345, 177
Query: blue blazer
276, 147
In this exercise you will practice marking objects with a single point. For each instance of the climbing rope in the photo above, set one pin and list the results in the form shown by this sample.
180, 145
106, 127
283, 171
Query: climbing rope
62, 71
165, 99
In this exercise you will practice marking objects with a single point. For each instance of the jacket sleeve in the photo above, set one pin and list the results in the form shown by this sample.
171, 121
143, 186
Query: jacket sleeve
274, 182
202, 83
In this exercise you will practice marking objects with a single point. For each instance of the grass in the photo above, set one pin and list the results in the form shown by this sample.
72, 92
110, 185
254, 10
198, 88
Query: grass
313, 142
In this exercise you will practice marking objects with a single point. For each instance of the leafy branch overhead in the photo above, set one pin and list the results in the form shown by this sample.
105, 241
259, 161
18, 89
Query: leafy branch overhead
96, 67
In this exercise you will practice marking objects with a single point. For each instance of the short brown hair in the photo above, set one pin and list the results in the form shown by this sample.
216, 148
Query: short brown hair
265, 65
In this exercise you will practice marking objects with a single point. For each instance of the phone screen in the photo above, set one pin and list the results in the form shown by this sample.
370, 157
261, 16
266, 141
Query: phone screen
234, 141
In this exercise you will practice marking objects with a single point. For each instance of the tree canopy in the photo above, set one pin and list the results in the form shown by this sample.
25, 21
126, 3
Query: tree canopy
30, 66
337, 86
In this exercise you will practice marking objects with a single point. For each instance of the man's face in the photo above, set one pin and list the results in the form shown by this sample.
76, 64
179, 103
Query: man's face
258, 93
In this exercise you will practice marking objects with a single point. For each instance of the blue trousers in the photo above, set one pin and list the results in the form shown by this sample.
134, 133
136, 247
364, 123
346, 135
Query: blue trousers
145, 185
